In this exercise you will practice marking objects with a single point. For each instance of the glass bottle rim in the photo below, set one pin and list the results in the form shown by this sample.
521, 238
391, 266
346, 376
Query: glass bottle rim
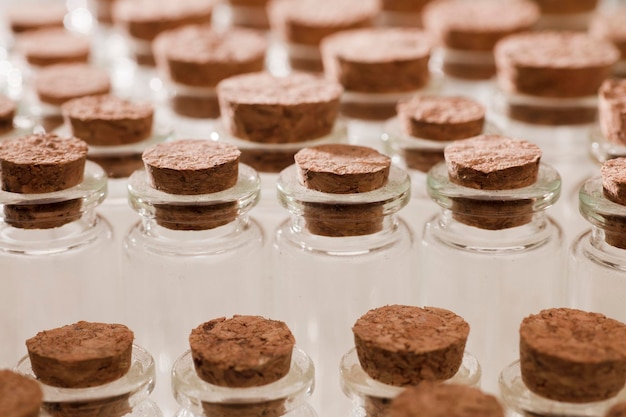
595, 207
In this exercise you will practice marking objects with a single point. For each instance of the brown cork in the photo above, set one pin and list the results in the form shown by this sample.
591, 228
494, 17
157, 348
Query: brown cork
196, 106
538, 114
266, 109
573, 355
58, 84
441, 118
201, 56
469, 71
368, 110
242, 351
42, 216
614, 189
406, 6
7, 113
53, 46
106, 120
402, 345
81, 355
250, 14
115, 406
612, 110
611, 28
617, 410
421, 159
263, 160
378, 60
434, 399
560, 7
477, 25
118, 166
27, 16
20, 396
104, 11
554, 64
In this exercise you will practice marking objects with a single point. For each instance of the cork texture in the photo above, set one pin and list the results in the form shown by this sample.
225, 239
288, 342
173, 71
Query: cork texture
192, 166
612, 110
53, 46
402, 345
261, 108
421, 159
118, 166
343, 220
614, 189
196, 106
477, 25
242, 351
573, 355
617, 410
58, 84
492, 214
202, 56
20, 396
441, 118
7, 113
469, 71
368, 110
107, 120
609, 26
342, 169
43, 216
432, 399
195, 217
81, 355
23, 17
378, 60
407, 6
263, 160
538, 114
493, 162
559, 7
554, 64
115, 406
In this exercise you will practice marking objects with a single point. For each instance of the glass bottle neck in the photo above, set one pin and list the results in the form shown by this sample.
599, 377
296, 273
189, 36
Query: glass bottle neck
608, 218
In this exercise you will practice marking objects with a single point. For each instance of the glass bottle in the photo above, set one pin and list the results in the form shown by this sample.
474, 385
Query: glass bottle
597, 266
126, 396
284, 397
493, 257
206, 262
324, 282
59, 262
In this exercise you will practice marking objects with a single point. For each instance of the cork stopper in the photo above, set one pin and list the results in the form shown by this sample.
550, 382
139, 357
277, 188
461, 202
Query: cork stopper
617, 410
57, 84
26, 16
81, 355
434, 399
614, 189
7, 113
42, 163
573, 355
612, 110
52, 46
20, 396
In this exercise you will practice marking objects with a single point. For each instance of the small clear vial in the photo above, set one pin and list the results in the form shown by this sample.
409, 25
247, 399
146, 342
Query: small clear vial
492, 256
191, 257
336, 257
126, 396
285, 397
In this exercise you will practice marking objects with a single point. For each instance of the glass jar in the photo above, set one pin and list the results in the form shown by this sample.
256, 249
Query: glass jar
126, 396
59, 260
493, 257
324, 283
191, 257
523, 402
284, 397
370, 398
597, 266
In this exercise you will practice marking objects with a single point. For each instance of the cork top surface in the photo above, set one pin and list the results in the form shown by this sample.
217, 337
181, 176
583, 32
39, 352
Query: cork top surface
617, 410
145, 11
7, 106
613, 174
326, 13
203, 44
42, 149
190, 155
442, 109
53, 42
614, 90
36, 14
379, 45
564, 50
241, 342
263, 88
398, 328
575, 335
20, 396
433, 399
69, 81
481, 16
82, 341
106, 107
609, 26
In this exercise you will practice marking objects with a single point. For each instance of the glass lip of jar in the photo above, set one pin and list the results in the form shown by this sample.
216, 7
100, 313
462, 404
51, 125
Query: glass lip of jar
137, 383
337, 134
602, 148
433, 86
543, 193
191, 391
393, 196
355, 383
144, 199
595, 207
92, 191
520, 399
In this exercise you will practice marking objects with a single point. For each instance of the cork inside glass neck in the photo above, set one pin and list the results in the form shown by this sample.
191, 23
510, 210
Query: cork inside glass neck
603, 213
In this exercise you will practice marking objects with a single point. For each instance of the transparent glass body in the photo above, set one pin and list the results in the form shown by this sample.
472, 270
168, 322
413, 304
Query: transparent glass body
323, 284
597, 261
520, 401
126, 396
51, 276
284, 397
492, 278
371, 398
177, 279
